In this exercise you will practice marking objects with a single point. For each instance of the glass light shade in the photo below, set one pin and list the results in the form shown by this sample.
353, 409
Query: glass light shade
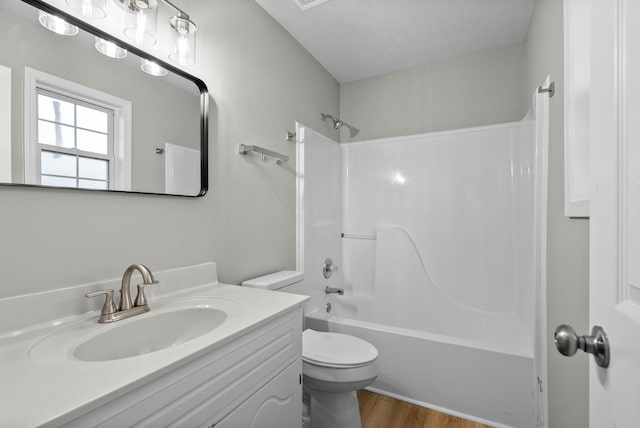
57, 25
152, 68
183, 40
110, 49
141, 21
96, 9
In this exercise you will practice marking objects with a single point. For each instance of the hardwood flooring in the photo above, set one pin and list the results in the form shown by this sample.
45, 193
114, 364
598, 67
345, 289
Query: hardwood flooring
379, 411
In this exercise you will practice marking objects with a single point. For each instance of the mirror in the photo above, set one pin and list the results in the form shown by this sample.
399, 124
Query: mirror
73, 117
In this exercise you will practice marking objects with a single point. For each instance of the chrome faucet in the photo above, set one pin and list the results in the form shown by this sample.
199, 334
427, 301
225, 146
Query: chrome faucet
125, 294
110, 312
333, 290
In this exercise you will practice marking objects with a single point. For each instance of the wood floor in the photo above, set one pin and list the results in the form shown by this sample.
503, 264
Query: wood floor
379, 411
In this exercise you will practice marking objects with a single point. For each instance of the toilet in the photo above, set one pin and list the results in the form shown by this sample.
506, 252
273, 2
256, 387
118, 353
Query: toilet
334, 365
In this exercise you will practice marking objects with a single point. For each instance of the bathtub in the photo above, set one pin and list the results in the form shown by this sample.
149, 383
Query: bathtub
488, 382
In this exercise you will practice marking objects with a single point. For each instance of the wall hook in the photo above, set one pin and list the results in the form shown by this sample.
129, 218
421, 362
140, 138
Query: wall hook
290, 136
551, 89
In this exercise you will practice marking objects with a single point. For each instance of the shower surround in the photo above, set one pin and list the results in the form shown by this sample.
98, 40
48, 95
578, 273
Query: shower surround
438, 237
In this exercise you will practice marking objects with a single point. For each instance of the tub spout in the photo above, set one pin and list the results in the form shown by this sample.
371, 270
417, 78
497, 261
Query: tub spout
333, 290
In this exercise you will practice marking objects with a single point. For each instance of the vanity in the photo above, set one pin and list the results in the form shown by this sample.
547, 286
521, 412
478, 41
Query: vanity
205, 355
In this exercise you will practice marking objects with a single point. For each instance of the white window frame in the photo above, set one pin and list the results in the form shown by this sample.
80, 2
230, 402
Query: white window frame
122, 125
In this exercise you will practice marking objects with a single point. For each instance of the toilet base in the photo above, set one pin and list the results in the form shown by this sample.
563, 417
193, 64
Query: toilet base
334, 409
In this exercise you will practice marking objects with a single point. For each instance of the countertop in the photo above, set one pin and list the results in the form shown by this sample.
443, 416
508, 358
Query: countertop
50, 388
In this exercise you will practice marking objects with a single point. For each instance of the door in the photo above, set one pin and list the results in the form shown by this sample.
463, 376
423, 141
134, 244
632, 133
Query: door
615, 210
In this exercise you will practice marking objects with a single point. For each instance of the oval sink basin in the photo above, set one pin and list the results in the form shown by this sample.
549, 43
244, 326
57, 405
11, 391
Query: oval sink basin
149, 333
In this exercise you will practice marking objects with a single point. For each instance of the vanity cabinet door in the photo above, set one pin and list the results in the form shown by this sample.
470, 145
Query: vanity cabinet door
278, 404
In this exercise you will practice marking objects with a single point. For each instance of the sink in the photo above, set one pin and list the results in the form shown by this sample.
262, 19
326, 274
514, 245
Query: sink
151, 333
167, 327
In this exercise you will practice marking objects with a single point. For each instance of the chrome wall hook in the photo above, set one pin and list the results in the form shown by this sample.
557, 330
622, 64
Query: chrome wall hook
551, 89
290, 136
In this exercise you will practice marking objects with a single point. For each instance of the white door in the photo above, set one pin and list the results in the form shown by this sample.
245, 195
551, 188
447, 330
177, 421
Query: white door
615, 210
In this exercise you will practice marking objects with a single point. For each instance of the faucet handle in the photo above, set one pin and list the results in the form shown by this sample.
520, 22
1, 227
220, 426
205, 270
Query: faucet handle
141, 299
109, 307
328, 268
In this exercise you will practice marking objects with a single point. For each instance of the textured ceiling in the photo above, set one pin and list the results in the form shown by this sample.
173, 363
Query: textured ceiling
357, 39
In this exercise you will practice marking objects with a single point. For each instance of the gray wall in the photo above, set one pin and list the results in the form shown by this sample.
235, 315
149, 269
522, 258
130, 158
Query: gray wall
261, 81
70, 59
479, 89
567, 239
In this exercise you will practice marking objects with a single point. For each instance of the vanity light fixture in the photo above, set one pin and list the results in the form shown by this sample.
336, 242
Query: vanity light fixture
140, 26
184, 39
95, 9
140, 20
110, 49
152, 68
56, 24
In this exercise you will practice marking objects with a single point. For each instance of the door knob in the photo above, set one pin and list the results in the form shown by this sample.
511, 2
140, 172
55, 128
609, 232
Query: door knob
568, 343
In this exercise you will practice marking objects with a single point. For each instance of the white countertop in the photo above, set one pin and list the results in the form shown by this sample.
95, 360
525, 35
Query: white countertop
38, 390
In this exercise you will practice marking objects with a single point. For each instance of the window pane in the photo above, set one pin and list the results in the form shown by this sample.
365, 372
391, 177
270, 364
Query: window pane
94, 120
92, 184
93, 168
55, 110
57, 181
58, 164
55, 135
93, 142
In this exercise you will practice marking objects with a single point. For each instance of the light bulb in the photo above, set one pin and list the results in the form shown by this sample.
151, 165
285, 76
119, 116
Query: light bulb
57, 25
152, 68
184, 40
110, 49
96, 9
141, 21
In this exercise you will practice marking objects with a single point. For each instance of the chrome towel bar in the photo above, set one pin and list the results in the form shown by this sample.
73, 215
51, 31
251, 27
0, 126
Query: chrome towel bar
243, 149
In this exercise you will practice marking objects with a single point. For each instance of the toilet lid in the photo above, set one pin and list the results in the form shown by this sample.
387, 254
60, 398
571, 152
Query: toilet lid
336, 349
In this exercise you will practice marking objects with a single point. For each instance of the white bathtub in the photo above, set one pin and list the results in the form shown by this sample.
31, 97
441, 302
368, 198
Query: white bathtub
491, 383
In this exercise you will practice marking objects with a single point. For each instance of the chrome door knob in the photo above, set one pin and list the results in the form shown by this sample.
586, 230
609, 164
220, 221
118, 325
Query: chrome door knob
566, 340
568, 343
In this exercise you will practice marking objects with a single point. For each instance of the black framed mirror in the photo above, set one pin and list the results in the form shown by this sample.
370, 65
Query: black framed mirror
88, 110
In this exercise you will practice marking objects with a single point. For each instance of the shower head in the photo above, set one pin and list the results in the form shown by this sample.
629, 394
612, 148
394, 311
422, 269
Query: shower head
337, 123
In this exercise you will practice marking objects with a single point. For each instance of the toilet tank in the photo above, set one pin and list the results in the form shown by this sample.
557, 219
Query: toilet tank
275, 281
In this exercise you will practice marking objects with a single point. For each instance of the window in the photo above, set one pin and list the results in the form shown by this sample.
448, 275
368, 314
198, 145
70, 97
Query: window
75, 141
75, 136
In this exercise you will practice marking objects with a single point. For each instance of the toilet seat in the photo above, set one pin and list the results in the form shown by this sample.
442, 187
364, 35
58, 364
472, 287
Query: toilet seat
336, 350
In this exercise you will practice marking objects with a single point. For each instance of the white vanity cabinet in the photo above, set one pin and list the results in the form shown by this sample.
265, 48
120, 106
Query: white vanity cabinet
253, 380
267, 406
